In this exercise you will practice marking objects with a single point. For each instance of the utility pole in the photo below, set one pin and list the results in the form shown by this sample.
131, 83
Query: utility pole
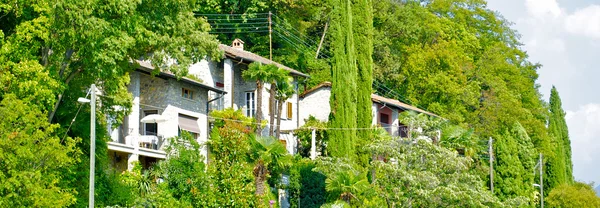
313, 145
491, 165
541, 179
92, 143
270, 38
322, 38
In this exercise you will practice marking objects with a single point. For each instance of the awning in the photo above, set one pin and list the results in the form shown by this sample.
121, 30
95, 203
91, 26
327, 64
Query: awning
189, 123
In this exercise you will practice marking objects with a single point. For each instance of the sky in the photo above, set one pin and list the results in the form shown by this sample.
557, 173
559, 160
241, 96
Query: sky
564, 36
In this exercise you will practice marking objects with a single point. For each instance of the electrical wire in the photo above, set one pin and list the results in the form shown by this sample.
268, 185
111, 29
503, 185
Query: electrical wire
74, 117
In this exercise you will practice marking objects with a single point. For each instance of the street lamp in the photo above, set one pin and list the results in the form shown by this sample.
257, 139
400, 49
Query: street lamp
92, 140
541, 184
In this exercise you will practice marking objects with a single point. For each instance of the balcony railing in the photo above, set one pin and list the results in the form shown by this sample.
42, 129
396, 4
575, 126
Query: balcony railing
151, 142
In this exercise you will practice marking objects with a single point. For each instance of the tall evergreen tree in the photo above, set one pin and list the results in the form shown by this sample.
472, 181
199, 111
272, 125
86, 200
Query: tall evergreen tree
559, 166
362, 11
344, 72
514, 164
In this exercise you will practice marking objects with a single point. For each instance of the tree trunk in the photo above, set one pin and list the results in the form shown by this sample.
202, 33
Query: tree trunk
272, 91
258, 106
260, 172
279, 107
60, 96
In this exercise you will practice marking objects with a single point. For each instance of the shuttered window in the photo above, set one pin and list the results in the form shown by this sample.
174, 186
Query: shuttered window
289, 110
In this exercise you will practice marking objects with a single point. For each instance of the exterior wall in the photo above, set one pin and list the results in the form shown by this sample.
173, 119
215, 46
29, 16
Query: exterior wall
163, 95
316, 104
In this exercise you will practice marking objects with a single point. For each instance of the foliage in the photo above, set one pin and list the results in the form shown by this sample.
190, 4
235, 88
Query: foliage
304, 136
573, 195
307, 187
420, 174
514, 164
559, 168
232, 175
261, 74
285, 90
347, 185
32, 156
270, 158
362, 23
344, 82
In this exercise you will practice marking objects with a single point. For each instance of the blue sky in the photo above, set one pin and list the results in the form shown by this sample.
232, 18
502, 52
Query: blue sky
564, 36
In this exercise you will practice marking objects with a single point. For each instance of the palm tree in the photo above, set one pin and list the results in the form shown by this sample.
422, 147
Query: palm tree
277, 75
269, 157
260, 73
285, 90
346, 185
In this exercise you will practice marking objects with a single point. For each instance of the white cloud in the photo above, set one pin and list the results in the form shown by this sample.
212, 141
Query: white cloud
585, 22
584, 134
541, 8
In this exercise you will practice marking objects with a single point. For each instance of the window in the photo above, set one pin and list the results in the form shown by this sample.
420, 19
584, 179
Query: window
289, 110
187, 93
150, 128
384, 118
403, 129
250, 106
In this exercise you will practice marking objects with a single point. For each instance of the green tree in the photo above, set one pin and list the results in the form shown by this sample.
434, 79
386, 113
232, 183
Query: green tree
232, 175
514, 164
347, 185
32, 156
420, 174
270, 158
278, 76
261, 74
362, 15
285, 90
559, 168
573, 195
344, 74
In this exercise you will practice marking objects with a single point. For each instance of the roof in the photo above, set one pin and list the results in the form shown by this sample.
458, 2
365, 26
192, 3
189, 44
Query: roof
148, 68
375, 98
306, 92
398, 104
249, 56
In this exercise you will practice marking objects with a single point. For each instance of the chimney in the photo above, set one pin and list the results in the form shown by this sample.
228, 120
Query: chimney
238, 44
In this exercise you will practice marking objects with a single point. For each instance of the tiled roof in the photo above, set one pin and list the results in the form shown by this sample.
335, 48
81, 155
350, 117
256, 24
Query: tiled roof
398, 104
324, 84
248, 56
375, 98
148, 68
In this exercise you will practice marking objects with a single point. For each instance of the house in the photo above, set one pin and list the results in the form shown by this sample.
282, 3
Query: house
178, 105
163, 105
241, 94
384, 110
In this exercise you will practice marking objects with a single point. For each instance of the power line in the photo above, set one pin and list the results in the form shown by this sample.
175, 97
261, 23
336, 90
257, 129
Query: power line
240, 23
256, 31
248, 14
234, 28
237, 19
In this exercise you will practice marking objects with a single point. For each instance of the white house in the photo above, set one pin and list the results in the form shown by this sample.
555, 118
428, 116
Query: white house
241, 94
184, 104
315, 102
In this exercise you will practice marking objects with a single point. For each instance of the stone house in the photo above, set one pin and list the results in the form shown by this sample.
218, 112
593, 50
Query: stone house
177, 105
164, 105
385, 111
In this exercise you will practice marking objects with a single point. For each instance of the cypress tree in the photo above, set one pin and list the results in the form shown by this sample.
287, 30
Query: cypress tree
343, 90
362, 12
559, 167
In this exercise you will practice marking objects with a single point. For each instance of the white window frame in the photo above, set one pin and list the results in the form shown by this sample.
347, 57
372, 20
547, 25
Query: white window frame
250, 103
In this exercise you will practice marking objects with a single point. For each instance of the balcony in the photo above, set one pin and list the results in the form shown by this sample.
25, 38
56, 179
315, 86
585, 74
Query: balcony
154, 142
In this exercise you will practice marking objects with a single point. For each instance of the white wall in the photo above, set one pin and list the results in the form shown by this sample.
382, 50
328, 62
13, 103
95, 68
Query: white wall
316, 104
